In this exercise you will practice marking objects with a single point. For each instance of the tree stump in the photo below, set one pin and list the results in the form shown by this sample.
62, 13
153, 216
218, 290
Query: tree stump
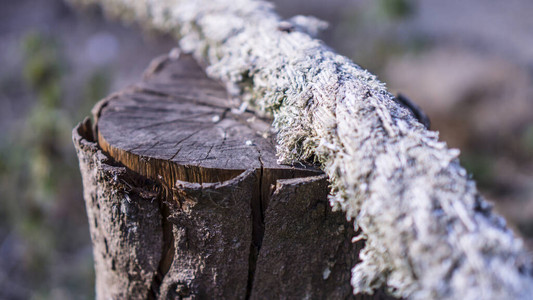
185, 199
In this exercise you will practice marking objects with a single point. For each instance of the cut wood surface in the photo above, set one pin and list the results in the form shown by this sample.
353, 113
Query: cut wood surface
179, 125
185, 199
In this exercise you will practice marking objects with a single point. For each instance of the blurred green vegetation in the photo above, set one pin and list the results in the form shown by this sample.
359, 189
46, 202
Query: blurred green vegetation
373, 36
396, 9
527, 139
39, 178
480, 166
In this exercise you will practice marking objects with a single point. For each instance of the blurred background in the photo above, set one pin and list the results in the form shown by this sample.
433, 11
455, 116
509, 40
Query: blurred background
468, 64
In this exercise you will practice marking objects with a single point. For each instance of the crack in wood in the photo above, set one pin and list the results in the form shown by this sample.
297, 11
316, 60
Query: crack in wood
258, 227
180, 120
183, 140
167, 251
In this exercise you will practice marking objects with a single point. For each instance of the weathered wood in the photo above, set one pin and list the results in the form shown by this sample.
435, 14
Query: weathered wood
300, 223
125, 221
179, 125
429, 232
186, 199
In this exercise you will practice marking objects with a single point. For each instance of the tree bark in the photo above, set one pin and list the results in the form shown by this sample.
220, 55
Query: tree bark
186, 200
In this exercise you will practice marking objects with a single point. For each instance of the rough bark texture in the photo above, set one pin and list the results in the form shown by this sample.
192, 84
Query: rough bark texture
304, 242
212, 233
186, 200
429, 233
125, 221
